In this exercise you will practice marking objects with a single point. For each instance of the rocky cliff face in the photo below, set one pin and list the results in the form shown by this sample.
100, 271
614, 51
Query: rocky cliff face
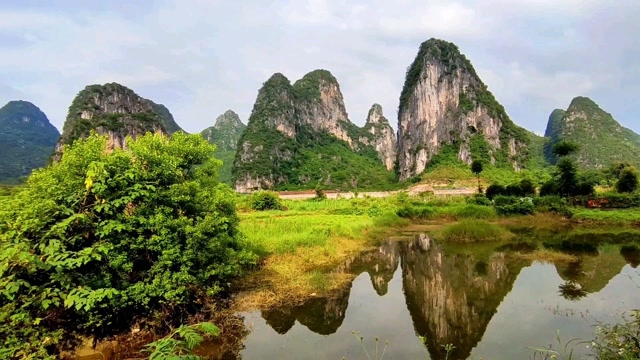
225, 134
444, 103
27, 140
110, 109
382, 137
601, 139
300, 135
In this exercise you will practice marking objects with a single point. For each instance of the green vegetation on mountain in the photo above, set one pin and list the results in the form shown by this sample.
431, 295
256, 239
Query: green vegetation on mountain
27, 140
225, 134
166, 118
286, 145
111, 107
603, 141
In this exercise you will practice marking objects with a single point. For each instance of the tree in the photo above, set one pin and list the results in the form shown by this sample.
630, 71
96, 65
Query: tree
477, 168
565, 148
628, 181
100, 240
567, 177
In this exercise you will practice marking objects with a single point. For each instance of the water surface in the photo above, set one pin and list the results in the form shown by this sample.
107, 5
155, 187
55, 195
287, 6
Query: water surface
484, 299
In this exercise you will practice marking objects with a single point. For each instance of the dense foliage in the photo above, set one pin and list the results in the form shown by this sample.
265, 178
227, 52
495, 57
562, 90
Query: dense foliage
265, 200
101, 240
603, 140
27, 140
628, 181
567, 181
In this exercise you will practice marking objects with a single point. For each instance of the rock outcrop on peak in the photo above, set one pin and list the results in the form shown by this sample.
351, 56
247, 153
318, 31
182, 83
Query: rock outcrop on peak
300, 135
444, 105
110, 109
27, 140
382, 137
225, 134
226, 131
601, 139
166, 118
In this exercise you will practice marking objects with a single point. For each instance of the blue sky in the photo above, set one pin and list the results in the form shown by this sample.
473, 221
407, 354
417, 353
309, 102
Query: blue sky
202, 57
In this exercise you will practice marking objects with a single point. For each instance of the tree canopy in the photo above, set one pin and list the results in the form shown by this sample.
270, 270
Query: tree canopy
102, 239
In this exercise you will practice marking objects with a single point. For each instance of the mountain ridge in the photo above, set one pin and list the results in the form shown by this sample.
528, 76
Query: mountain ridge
300, 135
444, 103
27, 140
602, 140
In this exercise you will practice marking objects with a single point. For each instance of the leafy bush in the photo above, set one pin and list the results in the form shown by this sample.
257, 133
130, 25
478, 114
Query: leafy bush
479, 199
554, 204
100, 240
550, 188
495, 190
265, 200
628, 181
527, 188
510, 205
320, 195
415, 212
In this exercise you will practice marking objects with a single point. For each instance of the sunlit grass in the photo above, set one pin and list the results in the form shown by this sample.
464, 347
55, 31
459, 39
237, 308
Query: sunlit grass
610, 216
474, 231
301, 247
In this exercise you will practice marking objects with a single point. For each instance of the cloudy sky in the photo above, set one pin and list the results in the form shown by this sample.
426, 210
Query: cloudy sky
202, 57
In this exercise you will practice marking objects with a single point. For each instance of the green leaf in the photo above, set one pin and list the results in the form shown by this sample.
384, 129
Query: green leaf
209, 328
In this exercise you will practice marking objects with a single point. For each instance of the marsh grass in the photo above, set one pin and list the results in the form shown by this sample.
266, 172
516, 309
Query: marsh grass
301, 247
474, 231
617, 216
548, 256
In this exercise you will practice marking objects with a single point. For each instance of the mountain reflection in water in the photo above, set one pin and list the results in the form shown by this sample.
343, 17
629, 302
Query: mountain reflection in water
486, 301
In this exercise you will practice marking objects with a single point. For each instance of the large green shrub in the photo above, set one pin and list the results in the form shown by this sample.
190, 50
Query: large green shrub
511, 205
100, 240
266, 200
628, 181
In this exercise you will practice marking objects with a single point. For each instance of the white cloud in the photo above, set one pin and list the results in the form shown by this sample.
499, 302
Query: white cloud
202, 57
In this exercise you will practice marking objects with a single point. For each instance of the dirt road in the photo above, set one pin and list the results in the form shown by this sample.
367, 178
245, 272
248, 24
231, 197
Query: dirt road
302, 195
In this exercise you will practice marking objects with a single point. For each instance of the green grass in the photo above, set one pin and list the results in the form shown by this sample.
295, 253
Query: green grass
313, 223
607, 216
300, 247
474, 231
284, 234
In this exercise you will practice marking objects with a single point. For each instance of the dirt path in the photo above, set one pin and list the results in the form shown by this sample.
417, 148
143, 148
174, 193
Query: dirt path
414, 190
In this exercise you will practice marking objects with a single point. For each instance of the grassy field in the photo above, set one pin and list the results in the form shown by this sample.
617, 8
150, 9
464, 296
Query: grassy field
302, 245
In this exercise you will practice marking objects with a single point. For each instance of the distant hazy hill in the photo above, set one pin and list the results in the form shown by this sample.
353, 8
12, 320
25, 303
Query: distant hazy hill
601, 138
27, 140
225, 134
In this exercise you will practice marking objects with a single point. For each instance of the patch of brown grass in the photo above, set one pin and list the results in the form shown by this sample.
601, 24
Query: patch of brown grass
548, 256
291, 279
